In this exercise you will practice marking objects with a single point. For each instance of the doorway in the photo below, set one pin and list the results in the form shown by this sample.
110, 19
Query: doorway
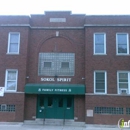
55, 106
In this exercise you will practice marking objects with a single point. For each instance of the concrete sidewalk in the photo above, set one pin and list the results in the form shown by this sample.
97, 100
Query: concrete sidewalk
21, 126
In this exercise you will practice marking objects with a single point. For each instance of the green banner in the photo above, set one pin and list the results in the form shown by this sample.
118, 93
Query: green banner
73, 89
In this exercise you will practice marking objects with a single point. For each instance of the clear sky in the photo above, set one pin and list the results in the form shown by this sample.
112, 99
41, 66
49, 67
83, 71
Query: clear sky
89, 7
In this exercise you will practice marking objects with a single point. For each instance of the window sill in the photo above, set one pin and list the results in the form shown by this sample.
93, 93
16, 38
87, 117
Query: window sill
9, 91
100, 93
122, 54
99, 54
12, 53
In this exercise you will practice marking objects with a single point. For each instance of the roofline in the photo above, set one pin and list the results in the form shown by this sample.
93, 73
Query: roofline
66, 27
57, 11
107, 25
113, 15
14, 15
70, 12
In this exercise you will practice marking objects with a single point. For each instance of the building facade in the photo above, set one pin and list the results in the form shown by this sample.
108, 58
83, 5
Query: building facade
65, 66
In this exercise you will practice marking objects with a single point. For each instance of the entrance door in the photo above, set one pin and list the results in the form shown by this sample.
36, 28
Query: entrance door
56, 107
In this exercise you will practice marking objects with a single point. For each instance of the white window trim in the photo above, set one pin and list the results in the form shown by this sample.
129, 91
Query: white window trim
9, 43
95, 82
127, 45
104, 43
6, 80
118, 90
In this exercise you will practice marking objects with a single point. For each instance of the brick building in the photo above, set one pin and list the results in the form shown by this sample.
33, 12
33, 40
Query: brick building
65, 66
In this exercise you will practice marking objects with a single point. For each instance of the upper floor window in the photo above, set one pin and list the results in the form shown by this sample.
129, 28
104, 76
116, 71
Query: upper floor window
65, 65
99, 43
100, 82
47, 64
56, 64
122, 43
11, 80
13, 43
123, 82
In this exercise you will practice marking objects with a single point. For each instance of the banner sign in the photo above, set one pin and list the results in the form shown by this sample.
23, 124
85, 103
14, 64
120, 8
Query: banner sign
1, 91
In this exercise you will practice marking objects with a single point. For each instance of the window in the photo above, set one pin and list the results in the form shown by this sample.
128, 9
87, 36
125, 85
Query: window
60, 103
7, 108
123, 82
69, 102
99, 43
11, 80
56, 64
122, 43
13, 43
65, 65
47, 64
100, 82
127, 111
50, 101
109, 110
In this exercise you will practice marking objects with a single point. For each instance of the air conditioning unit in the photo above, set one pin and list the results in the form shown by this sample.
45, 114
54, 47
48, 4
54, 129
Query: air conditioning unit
3, 107
123, 91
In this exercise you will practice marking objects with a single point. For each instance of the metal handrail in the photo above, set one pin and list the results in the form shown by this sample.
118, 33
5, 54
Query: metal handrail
44, 116
64, 117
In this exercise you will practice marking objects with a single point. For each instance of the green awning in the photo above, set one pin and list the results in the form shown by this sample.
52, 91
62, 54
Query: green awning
73, 89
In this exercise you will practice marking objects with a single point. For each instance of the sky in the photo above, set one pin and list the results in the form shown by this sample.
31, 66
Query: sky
88, 7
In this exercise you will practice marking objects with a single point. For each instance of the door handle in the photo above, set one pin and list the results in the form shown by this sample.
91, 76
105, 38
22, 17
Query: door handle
40, 110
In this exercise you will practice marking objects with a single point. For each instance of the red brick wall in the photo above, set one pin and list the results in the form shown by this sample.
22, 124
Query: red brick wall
7, 116
13, 62
78, 41
30, 106
79, 108
16, 99
45, 40
44, 20
69, 41
110, 62
107, 19
14, 19
93, 101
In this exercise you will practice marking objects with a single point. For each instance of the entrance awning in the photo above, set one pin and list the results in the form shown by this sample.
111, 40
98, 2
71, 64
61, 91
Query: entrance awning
72, 89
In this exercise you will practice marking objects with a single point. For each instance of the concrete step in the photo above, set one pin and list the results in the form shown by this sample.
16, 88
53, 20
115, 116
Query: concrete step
54, 122
30, 122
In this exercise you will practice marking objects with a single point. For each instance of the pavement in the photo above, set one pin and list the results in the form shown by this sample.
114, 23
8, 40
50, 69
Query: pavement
21, 126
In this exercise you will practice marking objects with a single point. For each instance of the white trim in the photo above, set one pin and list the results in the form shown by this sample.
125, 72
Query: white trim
34, 27
104, 43
127, 44
118, 90
8, 92
6, 80
9, 43
100, 94
80, 27
95, 82
15, 25
106, 25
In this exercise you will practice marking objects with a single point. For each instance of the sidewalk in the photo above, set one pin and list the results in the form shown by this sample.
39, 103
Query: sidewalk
21, 126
